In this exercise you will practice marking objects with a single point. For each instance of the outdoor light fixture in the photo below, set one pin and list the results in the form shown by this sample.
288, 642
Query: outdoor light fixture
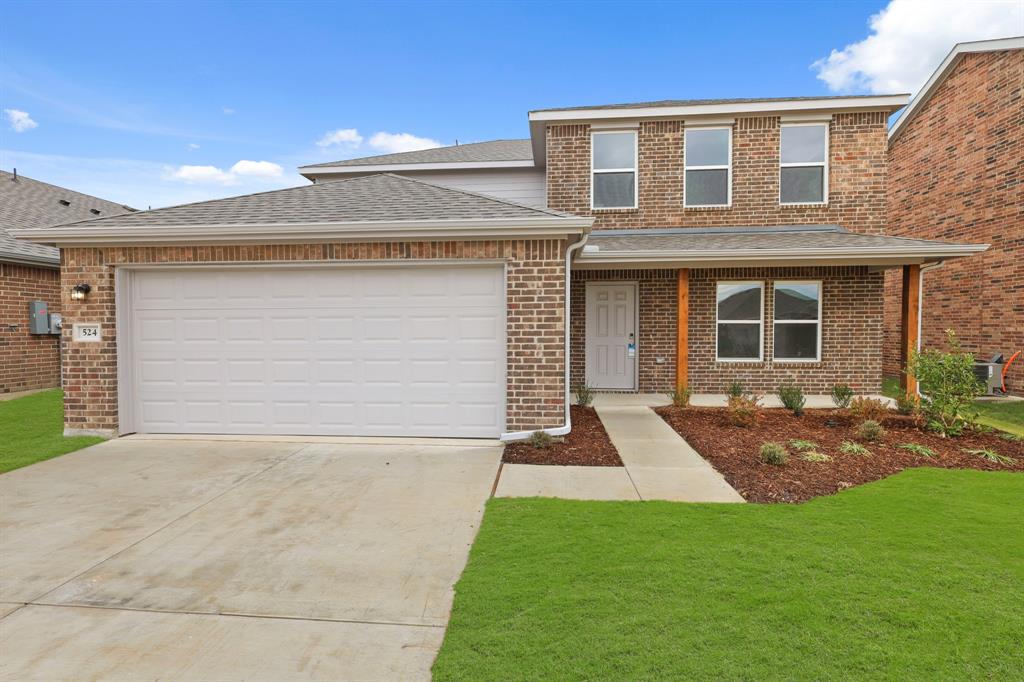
80, 291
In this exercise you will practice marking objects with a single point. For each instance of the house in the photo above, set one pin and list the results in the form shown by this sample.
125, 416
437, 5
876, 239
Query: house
691, 243
956, 160
31, 272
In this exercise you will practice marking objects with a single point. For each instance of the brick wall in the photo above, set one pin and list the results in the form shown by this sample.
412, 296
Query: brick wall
535, 315
957, 173
27, 361
857, 177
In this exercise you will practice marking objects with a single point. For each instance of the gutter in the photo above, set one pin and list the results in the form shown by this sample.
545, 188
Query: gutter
597, 256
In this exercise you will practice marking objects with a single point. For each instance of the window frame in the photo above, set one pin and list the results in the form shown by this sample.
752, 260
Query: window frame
809, 164
775, 319
759, 322
635, 170
728, 167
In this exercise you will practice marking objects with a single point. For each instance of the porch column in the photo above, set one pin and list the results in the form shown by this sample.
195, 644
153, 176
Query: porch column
682, 327
909, 318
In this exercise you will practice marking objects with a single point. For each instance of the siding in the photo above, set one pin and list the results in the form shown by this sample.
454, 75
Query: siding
522, 185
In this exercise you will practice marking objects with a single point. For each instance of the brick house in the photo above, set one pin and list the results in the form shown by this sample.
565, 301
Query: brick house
31, 272
462, 291
956, 160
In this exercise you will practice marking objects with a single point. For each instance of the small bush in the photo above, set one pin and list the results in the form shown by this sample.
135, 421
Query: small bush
922, 450
864, 409
792, 397
584, 395
842, 395
743, 410
991, 455
774, 454
948, 386
815, 456
906, 405
849, 447
735, 390
541, 440
799, 444
870, 430
680, 397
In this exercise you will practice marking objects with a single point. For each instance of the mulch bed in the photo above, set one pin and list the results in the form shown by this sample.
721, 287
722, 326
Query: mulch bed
735, 451
586, 445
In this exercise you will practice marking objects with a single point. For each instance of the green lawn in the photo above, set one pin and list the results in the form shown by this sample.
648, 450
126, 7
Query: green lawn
1005, 416
31, 430
918, 576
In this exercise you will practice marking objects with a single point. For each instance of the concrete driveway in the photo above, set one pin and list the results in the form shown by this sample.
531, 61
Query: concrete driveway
196, 559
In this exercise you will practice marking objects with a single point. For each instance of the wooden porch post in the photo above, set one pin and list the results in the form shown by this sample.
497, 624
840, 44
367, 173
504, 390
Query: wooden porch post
682, 327
909, 319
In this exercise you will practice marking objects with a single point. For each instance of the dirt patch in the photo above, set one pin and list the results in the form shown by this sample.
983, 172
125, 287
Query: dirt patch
586, 445
735, 451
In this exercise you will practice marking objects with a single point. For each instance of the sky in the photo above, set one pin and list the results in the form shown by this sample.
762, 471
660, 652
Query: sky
154, 104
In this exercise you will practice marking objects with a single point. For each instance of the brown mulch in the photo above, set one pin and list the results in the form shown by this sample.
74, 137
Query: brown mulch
735, 451
586, 445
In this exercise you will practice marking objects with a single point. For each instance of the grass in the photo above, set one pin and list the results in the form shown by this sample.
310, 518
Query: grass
33, 430
1005, 416
917, 576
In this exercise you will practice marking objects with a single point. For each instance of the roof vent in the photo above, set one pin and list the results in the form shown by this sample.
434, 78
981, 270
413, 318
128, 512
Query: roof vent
94, 211
64, 202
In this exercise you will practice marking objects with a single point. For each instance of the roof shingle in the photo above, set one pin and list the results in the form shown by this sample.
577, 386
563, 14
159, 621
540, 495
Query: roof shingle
494, 150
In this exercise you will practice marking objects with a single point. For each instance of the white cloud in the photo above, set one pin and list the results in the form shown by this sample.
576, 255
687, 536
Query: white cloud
20, 120
909, 39
342, 137
192, 146
401, 142
202, 175
227, 110
258, 169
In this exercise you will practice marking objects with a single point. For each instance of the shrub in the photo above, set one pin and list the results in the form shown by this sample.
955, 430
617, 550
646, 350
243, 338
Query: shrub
815, 456
680, 397
849, 447
774, 454
735, 390
870, 430
798, 444
743, 410
948, 386
792, 397
584, 395
864, 409
541, 440
906, 405
842, 395
922, 450
991, 455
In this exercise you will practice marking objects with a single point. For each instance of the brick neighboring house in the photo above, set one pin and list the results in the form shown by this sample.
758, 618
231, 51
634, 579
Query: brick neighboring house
687, 243
956, 169
31, 272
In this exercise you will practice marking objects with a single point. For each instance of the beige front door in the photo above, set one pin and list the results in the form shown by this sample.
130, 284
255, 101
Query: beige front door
611, 335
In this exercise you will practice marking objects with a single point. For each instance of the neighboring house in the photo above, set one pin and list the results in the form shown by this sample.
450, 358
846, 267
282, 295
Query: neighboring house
956, 171
31, 272
683, 243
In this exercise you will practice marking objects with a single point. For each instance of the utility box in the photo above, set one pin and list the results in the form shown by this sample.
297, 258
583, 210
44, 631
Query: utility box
38, 318
56, 322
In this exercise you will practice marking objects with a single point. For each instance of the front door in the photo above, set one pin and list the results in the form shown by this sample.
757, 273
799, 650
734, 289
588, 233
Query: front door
611, 336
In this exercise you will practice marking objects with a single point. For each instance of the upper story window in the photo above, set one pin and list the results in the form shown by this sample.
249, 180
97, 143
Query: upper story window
613, 162
803, 175
798, 321
739, 319
707, 153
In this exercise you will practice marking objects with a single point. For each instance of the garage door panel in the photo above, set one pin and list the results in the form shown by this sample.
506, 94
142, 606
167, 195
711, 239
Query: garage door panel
393, 351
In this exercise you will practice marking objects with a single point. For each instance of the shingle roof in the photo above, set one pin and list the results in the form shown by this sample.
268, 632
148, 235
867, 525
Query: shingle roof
26, 203
494, 150
695, 102
383, 197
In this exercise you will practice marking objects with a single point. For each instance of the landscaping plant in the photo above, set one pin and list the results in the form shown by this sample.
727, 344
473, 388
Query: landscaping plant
792, 397
680, 396
870, 430
743, 410
948, 386
864, 409
800, 444
842, 395
735, 390
541, 440
1012, 437
815, 456
584, 395
990, 455
774, 454
850, 447
922, 450
905, 405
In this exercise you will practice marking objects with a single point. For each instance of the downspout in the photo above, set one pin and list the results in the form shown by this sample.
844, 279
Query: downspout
567, 426
920, 306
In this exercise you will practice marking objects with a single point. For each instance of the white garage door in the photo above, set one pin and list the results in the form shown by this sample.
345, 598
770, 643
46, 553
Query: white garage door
396, 351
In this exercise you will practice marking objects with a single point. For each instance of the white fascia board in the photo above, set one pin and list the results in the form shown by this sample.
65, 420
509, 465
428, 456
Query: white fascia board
399, 167
789, 255
947, 65
36, 262
501, 228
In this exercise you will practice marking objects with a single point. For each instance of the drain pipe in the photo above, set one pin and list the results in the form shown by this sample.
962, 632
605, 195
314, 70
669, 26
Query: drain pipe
567, 426
927, 267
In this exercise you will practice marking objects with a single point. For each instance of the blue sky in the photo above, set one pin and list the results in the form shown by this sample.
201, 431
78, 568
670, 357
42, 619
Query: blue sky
157, 103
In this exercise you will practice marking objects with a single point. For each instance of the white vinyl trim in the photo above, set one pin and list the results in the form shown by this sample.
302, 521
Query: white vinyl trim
308, 171
810, 164
776, 320
727, 167
634, 170
759, 322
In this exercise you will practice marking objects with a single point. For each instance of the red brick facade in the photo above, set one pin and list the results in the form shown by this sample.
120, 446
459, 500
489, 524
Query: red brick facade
535, 315
27, 361
957, 173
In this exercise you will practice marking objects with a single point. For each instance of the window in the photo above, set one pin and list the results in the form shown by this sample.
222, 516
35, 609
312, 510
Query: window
798, 321
739, 321
803, 175
707, 153
614, 170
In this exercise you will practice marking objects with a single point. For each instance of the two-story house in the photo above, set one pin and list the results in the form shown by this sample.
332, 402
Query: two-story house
463, 291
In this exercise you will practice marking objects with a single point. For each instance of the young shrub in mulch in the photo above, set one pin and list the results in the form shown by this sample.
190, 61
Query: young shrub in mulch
586, 445
870, 430
801, 444
849, 447
842, 395
948, 386
922, 450
815, 456
541, 440
990, 455
864, 409
584, 395
774, 454
905, 405
735, 390
742, 410
792, 397
680, 396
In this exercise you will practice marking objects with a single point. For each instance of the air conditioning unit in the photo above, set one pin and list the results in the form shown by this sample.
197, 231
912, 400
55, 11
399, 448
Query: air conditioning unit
990, 374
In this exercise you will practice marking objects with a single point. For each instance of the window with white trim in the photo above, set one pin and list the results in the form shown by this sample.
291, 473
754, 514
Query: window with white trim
739, 321
797, 323
803, 164
707, 159
613, 169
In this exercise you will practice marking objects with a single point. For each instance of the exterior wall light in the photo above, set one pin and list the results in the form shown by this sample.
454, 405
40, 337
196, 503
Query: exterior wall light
80, 291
